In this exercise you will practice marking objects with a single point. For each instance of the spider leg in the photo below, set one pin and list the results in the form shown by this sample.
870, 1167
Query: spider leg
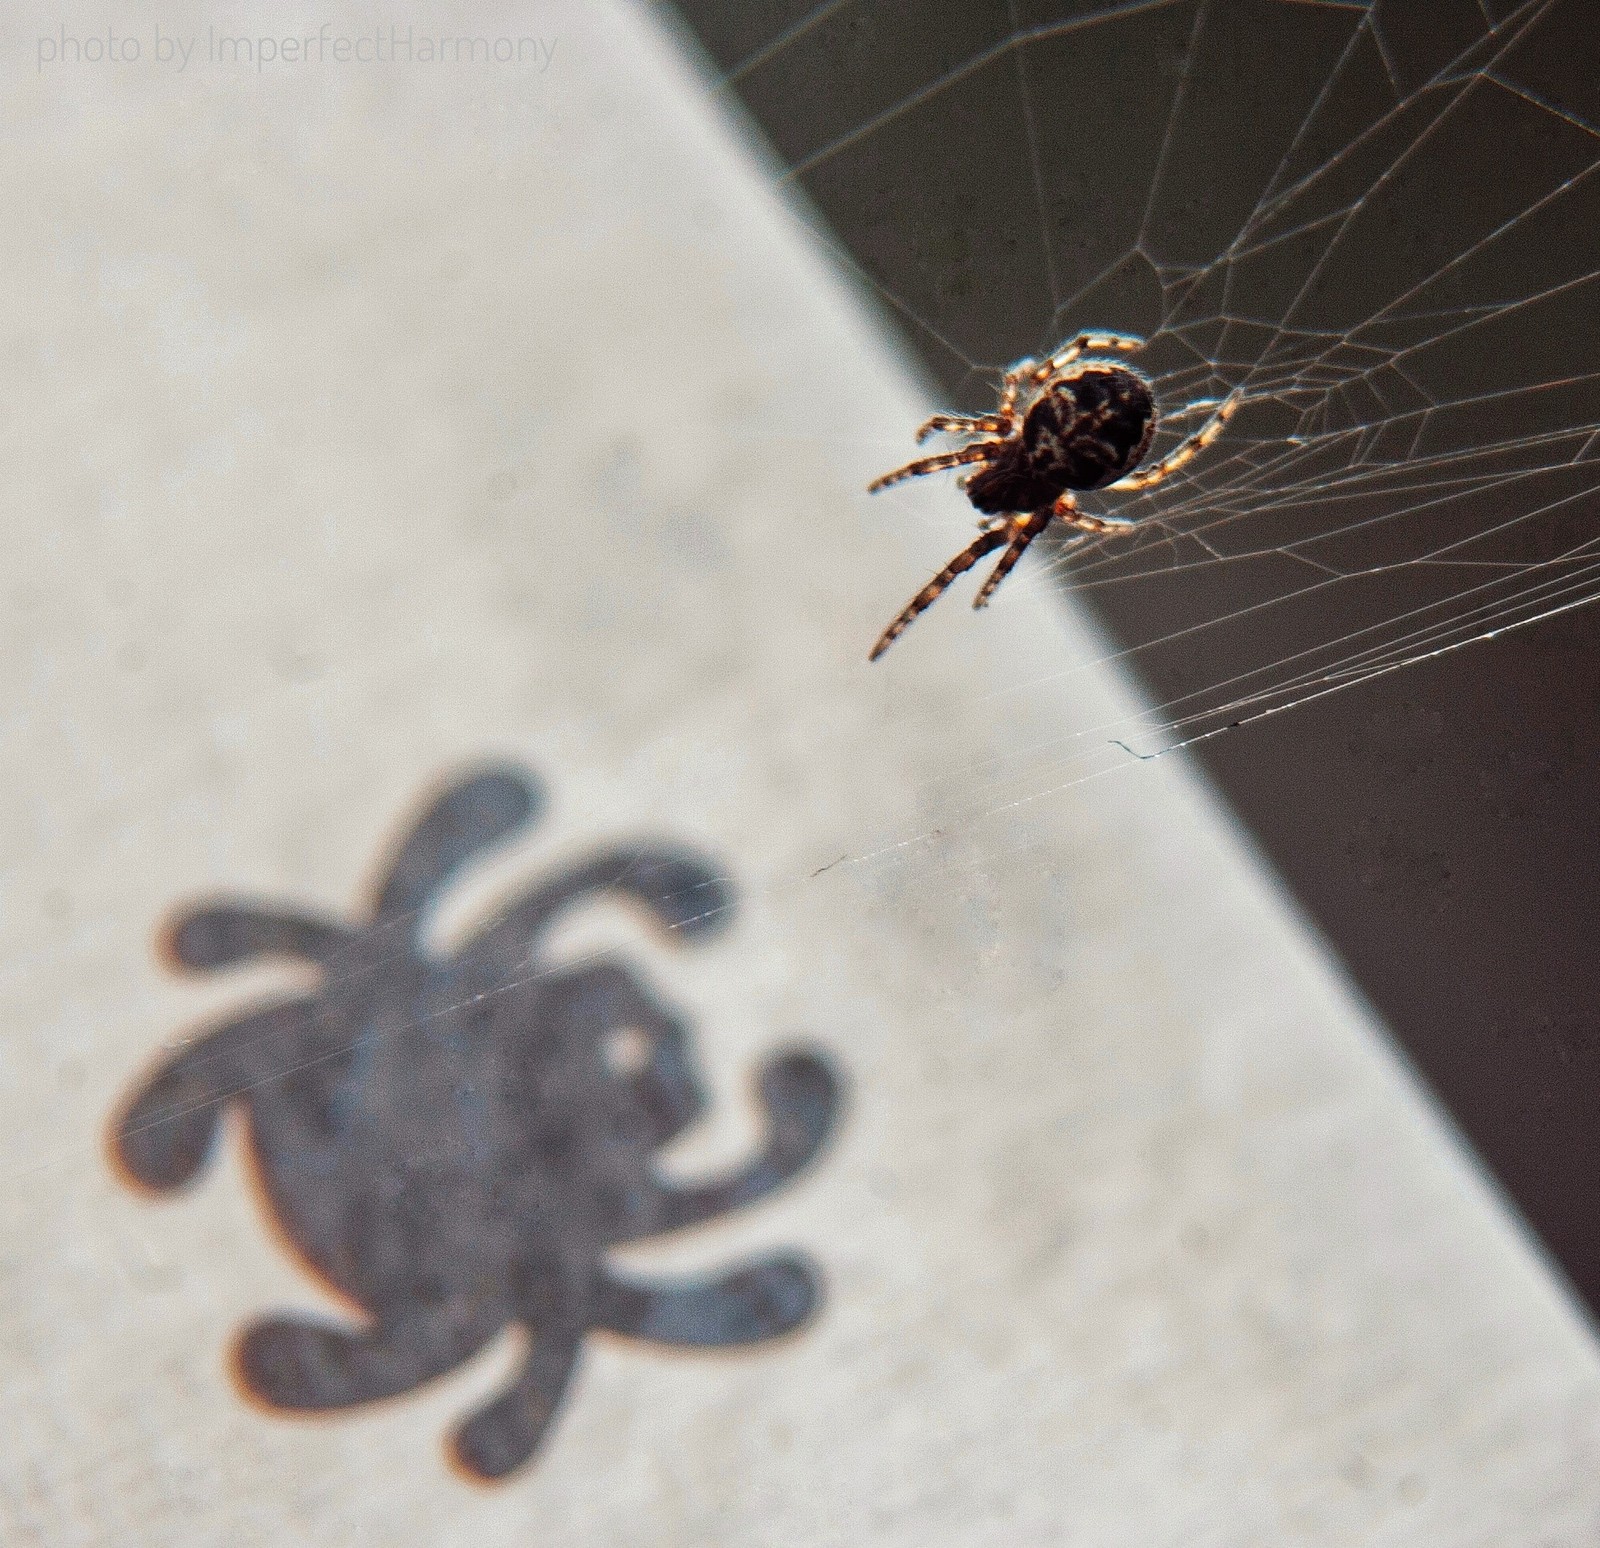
986, 543
1199, 406
1000, 423
1010, 392
978, 452
1032, 374
1123, 343
1024, 529
1184, 452
986, 424
1066, 509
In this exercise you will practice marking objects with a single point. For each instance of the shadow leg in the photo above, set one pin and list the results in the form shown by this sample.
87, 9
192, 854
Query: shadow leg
748, 1306
301, 1365
505, 1432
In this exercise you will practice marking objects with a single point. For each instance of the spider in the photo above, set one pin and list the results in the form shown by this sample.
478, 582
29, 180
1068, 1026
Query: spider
1087, 424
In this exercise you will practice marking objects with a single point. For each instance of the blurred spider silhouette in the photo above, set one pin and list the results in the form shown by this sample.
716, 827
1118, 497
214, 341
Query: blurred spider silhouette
454, 1141
1086, 424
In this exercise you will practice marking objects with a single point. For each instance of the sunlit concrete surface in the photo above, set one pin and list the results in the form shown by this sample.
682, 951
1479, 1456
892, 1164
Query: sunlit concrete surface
365, 422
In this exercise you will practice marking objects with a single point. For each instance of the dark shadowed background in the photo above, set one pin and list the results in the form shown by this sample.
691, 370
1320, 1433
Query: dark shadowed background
1380, 223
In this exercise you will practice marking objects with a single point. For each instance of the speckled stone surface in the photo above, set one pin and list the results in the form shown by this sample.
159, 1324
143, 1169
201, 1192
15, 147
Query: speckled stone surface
368, 422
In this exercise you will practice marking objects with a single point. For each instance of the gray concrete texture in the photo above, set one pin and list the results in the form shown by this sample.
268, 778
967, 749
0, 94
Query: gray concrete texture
369, 422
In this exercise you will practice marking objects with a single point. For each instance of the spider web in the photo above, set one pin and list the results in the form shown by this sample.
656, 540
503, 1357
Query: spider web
1373, 224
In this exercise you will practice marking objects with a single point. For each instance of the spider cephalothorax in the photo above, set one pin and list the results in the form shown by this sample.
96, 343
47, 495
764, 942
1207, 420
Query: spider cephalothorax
1086, 424
456, 1140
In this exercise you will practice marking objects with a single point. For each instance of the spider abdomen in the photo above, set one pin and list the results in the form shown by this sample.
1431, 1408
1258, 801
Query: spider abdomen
1083, 432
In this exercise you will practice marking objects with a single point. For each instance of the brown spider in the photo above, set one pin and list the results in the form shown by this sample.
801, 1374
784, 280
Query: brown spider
1087, 425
